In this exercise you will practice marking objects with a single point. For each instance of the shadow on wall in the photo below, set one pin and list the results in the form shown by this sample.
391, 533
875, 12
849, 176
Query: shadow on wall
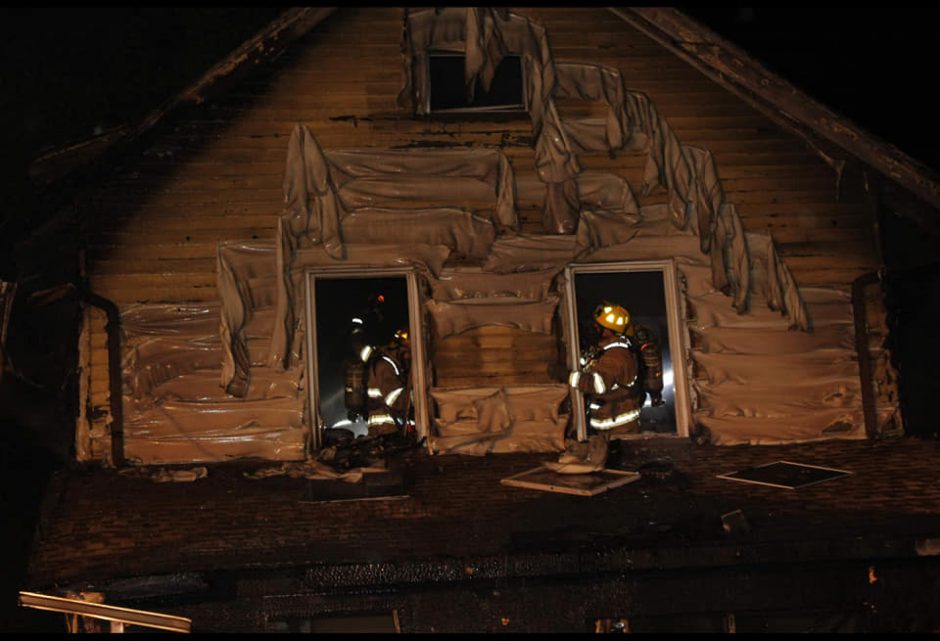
914, 307
913, 303
25, 470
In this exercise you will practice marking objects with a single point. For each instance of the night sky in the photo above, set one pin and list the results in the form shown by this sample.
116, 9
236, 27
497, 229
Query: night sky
69, 73
872, 65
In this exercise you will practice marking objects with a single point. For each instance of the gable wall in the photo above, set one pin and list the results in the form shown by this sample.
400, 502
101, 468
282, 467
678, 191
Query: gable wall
217, 175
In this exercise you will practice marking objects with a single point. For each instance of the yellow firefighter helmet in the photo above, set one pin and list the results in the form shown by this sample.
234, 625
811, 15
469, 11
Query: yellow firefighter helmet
612, 316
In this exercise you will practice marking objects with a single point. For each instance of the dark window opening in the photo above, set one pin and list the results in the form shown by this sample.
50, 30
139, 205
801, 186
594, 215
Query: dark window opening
643, 295
352, 313
448, 93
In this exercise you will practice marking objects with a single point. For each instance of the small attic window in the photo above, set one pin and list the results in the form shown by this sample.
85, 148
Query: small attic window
447, 93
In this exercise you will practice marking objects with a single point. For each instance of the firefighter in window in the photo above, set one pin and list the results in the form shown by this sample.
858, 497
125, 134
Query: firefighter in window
389, 386
618, 373
361, 334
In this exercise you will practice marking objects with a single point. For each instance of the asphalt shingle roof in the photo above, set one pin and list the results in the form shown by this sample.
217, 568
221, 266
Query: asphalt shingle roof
99, 525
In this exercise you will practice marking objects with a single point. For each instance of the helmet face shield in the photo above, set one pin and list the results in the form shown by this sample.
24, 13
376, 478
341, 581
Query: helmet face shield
612, 316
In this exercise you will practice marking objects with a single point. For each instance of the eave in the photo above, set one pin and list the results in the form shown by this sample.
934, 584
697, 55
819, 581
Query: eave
264, 46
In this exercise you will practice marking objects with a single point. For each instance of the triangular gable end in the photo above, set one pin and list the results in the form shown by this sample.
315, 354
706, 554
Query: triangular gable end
608, 150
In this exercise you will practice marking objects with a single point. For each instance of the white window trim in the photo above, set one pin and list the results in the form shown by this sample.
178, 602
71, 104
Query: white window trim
678, 336
416, 329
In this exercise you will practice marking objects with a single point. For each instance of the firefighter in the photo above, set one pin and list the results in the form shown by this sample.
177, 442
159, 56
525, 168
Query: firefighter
389, 388
362, 329
619, 373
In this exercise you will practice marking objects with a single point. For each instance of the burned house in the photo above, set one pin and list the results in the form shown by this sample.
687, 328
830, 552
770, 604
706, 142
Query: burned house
481, 179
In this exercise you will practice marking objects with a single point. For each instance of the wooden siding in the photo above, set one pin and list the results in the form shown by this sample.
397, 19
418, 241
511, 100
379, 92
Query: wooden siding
217, 174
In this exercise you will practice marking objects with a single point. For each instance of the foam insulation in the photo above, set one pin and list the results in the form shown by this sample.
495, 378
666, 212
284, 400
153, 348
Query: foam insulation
688, 173
531, 252
596, 190
461, 283
175, 411
253, 290
581, 457
483, 420
469, 236
523, 436
447, 29
448, 176
321, 190
458, 316
597, 83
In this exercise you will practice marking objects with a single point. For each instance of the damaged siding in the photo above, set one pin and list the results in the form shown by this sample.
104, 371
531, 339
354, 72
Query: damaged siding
217, 177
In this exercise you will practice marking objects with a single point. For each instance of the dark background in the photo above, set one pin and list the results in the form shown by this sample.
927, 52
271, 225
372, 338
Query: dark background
69, 73
873, 65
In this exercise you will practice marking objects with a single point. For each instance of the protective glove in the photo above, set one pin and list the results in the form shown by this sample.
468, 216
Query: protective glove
656, 398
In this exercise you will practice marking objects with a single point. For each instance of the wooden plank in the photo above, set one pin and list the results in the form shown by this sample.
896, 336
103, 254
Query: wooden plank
207, 166
153, 266
485, 370
820, 196
168, 217
804, 263
199, 236
188, 182
168, 195
795, 171
98, 359
757, 214
831, 244
828, 276
484, 357
124, 294
462, 343
796, 209
820, 236
169, 288
816, 180
483, 380
172, 279
82, 427
100, 251
592, 484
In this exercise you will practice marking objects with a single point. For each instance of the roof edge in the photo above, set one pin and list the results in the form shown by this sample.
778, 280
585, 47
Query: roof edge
731, 67
266, 44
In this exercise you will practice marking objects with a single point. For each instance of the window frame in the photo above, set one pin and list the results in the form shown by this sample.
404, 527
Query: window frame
676, 336
518, 109
415, 327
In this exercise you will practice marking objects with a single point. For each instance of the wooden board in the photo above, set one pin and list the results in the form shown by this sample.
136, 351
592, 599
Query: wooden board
541, 478
785, 474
